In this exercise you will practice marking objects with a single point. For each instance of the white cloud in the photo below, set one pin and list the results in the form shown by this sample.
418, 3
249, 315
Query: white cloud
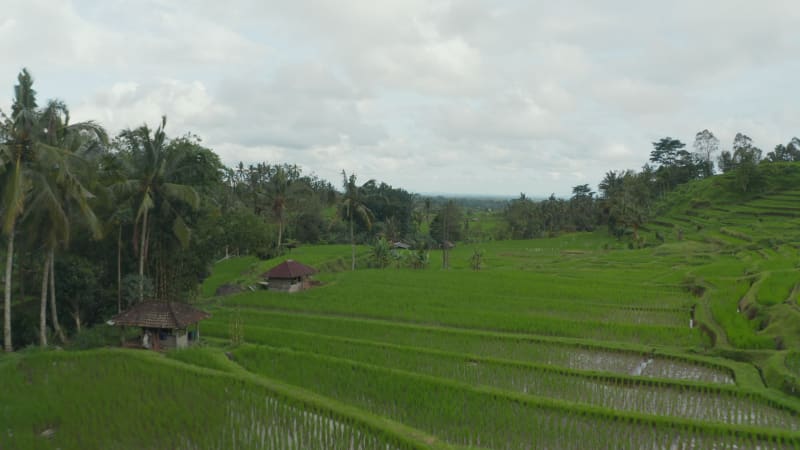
130, 104
639, 97
430, 95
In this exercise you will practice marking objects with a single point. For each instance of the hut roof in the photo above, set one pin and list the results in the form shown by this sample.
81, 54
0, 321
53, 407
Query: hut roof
169, 315
289, 269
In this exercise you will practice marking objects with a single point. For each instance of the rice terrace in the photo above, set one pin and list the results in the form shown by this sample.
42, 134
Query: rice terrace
346, 254
574, 341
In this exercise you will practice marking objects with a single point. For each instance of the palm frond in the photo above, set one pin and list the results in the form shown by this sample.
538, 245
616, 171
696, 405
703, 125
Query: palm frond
181, 231
183, 193
125, 188
145, 205
14, 192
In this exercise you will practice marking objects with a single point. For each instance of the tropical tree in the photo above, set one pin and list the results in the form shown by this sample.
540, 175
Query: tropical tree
629, 207
446, 228
16, 160
393, 208
788, 152
354, 207
380, 253
674, 165
283, 187
151, 170
582, 208
522, 218
705, 145
58, 197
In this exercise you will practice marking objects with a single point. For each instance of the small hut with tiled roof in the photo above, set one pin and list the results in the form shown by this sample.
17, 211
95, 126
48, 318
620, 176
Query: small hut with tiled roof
289, 276
164, 324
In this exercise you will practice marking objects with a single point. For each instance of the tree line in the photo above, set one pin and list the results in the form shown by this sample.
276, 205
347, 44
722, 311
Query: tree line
92, 224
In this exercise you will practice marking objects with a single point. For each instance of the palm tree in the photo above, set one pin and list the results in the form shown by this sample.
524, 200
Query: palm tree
58, 197
115, 209
353, 206
283, 186
152, 171
16, 156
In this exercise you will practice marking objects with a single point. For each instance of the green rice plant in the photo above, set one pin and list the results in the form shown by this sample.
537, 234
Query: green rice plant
487, 417
618, 392
551, 351
777, 286
202, 357
736, 234
739, 331
139, 400
599, 310
793, 363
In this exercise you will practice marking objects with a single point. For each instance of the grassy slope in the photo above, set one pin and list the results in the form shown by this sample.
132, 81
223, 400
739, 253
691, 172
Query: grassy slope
752, 270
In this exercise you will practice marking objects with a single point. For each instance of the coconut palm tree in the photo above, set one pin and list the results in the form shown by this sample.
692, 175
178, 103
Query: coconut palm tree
283, 189
16, 158
58, 198
152, 169
353, 206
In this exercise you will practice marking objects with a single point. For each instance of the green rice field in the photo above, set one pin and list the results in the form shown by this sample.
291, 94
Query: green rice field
571, 342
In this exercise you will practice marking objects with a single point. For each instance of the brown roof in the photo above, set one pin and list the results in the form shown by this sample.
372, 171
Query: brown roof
170, 315
289, 269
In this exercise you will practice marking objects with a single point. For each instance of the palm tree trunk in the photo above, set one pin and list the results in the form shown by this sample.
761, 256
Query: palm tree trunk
444, 238
280, 232
119, 269
352, 246
7, 293
76, 316
43, 304
53, 310
142, 257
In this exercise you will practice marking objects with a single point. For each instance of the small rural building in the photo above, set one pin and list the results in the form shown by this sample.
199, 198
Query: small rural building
400, 245
164, 325
289, 276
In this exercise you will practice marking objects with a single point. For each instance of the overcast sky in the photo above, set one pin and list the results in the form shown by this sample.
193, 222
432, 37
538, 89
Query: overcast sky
463, 96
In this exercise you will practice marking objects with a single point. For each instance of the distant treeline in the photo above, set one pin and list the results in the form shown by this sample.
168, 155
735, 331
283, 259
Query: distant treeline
626, 198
